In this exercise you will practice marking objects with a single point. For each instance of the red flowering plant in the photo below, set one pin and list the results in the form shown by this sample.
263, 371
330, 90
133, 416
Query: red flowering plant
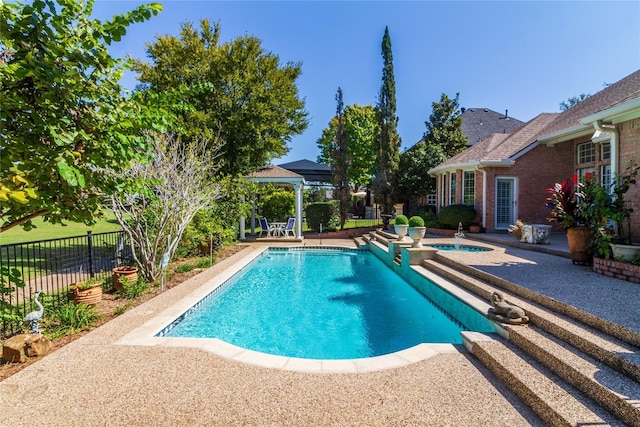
563, 203
571, 202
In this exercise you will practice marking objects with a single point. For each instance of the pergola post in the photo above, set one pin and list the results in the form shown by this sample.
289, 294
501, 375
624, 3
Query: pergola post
298, 191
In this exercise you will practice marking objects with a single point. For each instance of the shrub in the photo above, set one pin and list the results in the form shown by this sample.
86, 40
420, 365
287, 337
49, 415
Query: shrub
278, 205
184, 268
431, 220
324, 214
202, 228
71, 318
402, 220
452, 215
416, 221
424, 211
132, 289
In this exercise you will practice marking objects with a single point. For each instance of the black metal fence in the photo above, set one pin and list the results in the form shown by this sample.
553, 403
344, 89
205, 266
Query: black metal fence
50, 266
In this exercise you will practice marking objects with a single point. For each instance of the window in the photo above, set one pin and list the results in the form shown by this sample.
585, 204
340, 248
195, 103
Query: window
605, 151
582, 172
469, 188
431, 199
605, 177
452, 188
586, 153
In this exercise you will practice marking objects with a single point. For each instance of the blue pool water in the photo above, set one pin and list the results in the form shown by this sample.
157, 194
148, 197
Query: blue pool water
319, 305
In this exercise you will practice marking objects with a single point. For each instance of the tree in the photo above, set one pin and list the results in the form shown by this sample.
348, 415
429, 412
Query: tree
63, 114
361, 129
253, 98
340, 164
444, 127
443, 139
573, 101
413, 181
388, 140
172, 188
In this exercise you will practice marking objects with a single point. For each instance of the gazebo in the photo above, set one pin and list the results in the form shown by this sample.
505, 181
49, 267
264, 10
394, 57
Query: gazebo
311, 171
280, 176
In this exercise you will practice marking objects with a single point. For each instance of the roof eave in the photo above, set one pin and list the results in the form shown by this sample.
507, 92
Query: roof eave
563, 135
502, 163
451, 167
619, 113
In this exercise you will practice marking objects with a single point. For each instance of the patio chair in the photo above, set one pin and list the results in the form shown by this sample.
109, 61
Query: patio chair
289, 228
265, 227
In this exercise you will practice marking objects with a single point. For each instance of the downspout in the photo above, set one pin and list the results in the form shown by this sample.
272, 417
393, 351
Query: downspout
614, 143
484, 196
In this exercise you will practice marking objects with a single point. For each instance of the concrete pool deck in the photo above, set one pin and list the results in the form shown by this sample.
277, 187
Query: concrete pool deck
94, 381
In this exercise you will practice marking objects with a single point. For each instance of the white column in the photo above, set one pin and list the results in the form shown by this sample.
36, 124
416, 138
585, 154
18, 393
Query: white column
298, 191
253, 215
242, 225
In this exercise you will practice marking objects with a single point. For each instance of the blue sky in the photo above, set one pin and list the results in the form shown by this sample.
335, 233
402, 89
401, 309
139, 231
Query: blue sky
525, 57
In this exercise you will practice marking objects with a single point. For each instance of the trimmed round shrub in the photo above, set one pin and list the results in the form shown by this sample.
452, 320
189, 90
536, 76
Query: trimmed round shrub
324, 213
452, 215
401, 219
416, 221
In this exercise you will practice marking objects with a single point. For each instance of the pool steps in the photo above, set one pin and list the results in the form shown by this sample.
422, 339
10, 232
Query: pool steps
563, 355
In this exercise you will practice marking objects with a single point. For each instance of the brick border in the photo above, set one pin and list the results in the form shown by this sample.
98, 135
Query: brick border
619, 270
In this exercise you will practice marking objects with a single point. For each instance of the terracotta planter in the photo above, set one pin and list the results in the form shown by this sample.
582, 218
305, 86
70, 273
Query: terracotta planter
579, 240
130, 273
474, 229
88, 296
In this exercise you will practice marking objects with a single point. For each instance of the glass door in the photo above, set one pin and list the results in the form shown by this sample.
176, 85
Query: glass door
506, 203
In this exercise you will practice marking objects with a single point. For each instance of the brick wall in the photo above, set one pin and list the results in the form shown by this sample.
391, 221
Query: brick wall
535, 171
617, 269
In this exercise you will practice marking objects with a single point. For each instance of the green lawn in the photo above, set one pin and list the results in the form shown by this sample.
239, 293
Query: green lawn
45, 230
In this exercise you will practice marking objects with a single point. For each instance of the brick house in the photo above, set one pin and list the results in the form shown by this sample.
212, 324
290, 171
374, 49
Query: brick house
506, 176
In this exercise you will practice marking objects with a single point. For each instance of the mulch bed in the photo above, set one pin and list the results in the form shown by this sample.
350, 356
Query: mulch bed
110, 303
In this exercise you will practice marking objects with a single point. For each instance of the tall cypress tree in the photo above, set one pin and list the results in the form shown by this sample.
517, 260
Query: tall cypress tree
388, 141
341, 163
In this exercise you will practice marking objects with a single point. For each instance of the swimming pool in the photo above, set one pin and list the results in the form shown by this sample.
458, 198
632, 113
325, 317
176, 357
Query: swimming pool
318, 304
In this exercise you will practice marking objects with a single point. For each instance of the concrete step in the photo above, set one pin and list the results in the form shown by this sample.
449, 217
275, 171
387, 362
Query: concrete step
613, 390
602, 367
360, 241
617, 354
612, 329
554, 401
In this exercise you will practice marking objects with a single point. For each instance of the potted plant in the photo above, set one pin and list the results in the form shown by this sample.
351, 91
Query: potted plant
130, 273
416, 230
87, 292
401, 226
517, 230
614, 232
569, 202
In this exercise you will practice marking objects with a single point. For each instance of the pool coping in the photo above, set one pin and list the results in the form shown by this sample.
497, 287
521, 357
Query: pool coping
146, 335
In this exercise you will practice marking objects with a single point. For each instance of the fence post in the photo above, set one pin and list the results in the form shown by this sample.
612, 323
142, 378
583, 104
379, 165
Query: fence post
90, 249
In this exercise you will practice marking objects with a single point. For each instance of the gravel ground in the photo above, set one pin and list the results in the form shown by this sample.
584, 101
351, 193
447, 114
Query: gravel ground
93, 382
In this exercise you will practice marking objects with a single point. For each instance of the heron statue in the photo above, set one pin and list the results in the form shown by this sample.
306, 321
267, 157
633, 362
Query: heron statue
34, 317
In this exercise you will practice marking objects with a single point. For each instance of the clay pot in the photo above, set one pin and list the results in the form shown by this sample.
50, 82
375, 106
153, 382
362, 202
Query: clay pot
81, 295
579, 240
130, 273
